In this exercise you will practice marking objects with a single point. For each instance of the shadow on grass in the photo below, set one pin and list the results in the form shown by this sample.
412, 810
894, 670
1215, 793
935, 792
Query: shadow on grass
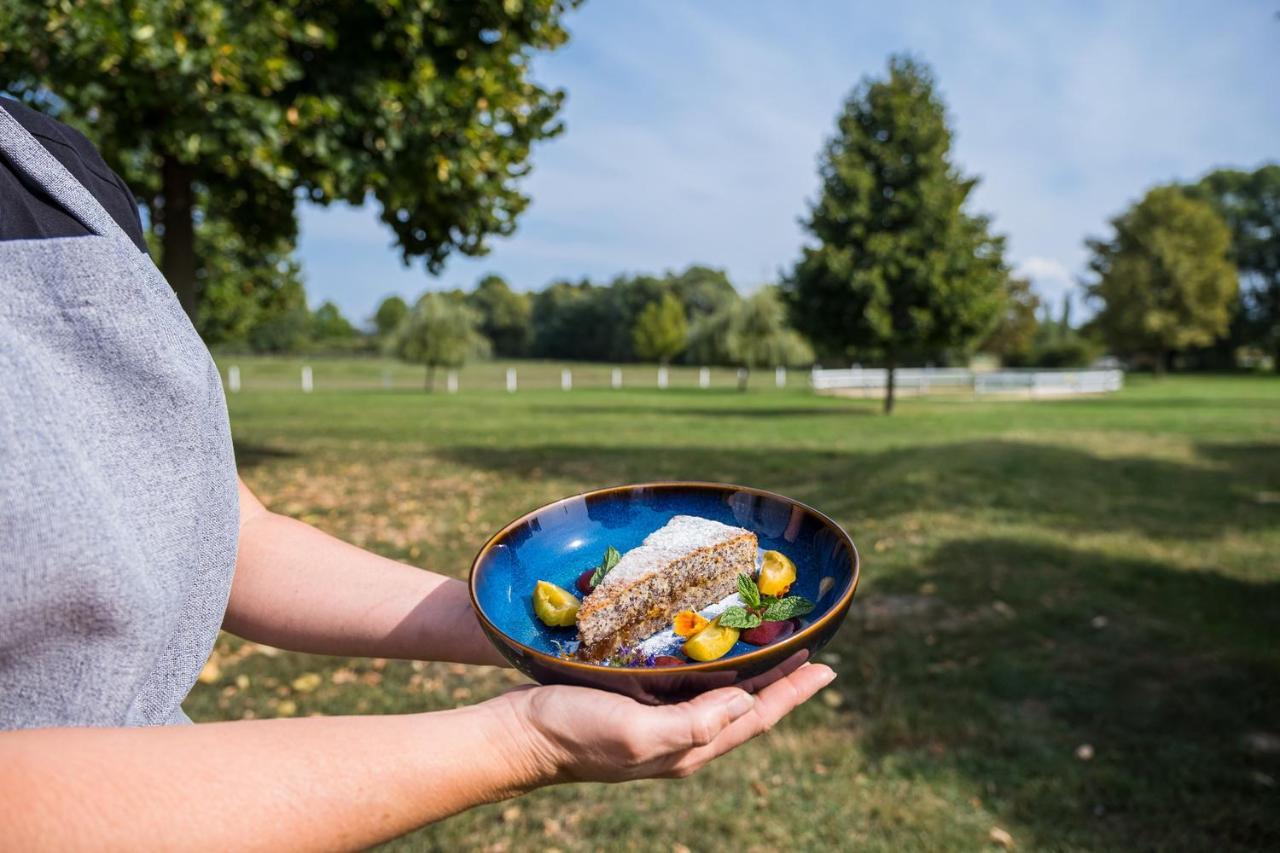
249, 455
766, 412
1048, 485
1026, 653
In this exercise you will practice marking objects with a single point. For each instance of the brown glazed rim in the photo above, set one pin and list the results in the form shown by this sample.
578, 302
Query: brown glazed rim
770, 651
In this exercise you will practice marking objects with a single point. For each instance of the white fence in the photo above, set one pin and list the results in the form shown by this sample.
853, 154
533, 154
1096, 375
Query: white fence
1036, 383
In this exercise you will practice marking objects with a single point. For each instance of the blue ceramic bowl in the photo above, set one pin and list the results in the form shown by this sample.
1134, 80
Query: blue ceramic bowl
559, 541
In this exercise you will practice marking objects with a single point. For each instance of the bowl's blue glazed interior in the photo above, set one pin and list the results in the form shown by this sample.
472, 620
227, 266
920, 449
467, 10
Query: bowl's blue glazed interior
559, 542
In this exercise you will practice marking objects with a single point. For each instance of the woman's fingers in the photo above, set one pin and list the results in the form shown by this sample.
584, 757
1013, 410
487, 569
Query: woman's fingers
688, 725
771, 704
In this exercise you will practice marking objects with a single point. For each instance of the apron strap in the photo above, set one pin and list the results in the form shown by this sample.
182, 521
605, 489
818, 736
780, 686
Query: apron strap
26, 153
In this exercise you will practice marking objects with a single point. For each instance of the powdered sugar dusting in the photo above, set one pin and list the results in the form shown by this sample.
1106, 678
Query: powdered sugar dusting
675, 539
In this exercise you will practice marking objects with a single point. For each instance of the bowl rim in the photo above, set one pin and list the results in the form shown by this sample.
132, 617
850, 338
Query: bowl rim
763, 652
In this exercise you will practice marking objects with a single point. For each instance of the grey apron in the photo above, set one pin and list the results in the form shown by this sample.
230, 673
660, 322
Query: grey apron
118, 506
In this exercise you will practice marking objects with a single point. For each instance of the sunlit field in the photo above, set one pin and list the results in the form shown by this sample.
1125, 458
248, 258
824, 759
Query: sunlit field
1066, 633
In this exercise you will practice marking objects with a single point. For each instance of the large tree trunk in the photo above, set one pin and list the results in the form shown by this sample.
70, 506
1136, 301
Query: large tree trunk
891, 380
431, 378
178, 245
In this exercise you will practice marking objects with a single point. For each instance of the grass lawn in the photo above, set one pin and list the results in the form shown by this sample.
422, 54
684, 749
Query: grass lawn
1067, 628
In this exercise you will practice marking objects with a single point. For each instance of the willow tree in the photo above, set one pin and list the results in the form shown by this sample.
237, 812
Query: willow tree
898, 267
440, 331
214, 109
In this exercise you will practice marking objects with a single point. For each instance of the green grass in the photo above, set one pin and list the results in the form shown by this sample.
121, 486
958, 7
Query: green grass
1038, 576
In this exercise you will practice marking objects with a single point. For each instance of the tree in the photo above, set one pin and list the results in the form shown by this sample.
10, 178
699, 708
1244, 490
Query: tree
1249, 203
390, 314
283, 322
661, 329
703, 291
329, 327
575, 321
428, 107
1164, 279
243, 286
752, 333
1015, 331
440, 332
505, 316
898, 266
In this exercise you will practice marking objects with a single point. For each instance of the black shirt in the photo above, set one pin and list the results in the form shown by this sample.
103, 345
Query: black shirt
28, 213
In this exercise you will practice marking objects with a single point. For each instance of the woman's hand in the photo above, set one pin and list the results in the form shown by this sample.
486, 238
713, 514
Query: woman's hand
579, 734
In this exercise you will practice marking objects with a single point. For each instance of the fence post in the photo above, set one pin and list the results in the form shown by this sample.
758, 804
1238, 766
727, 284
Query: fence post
511, 380
566, 379
662, 377
704, 377
233, 378
780, 376
307, 384
615, 379
451, 382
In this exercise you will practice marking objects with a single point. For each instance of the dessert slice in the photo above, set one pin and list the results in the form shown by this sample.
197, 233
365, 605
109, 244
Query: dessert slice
687, 564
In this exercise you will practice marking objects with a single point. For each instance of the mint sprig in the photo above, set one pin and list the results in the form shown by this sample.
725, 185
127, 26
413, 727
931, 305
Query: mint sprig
781, 609
739, 617
762, 608
607, 562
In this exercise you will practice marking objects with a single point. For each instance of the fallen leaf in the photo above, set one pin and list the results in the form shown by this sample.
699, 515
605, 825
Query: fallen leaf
832, 698
307, 682
287, 708
511, 814
1001, 837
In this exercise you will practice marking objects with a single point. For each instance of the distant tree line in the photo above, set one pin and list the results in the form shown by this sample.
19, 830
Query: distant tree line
692, 317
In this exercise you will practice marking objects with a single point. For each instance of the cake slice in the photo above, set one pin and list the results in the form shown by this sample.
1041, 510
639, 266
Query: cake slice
687, 564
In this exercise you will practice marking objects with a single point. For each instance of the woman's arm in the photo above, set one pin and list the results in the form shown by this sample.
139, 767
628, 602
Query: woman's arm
299, 588
349, 782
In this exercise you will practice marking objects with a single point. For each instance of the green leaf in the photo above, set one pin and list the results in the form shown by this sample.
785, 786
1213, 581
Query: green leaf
737, 617
787, 608
748, 590
610, 559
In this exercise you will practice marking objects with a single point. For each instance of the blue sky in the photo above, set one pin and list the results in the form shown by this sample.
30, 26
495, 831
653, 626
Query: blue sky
692, 131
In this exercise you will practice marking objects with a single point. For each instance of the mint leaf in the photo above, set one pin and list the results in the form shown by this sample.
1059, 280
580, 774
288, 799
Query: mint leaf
607, 562
737, 617
748, 590
787, 608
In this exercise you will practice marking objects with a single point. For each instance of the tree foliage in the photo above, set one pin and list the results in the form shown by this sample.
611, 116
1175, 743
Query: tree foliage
390, 314
1015, 330
703, 290
899, 266
1249, 203
751, 333
660, 330
505, 316
1163, 279
427, 106
440, 331
329, 327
